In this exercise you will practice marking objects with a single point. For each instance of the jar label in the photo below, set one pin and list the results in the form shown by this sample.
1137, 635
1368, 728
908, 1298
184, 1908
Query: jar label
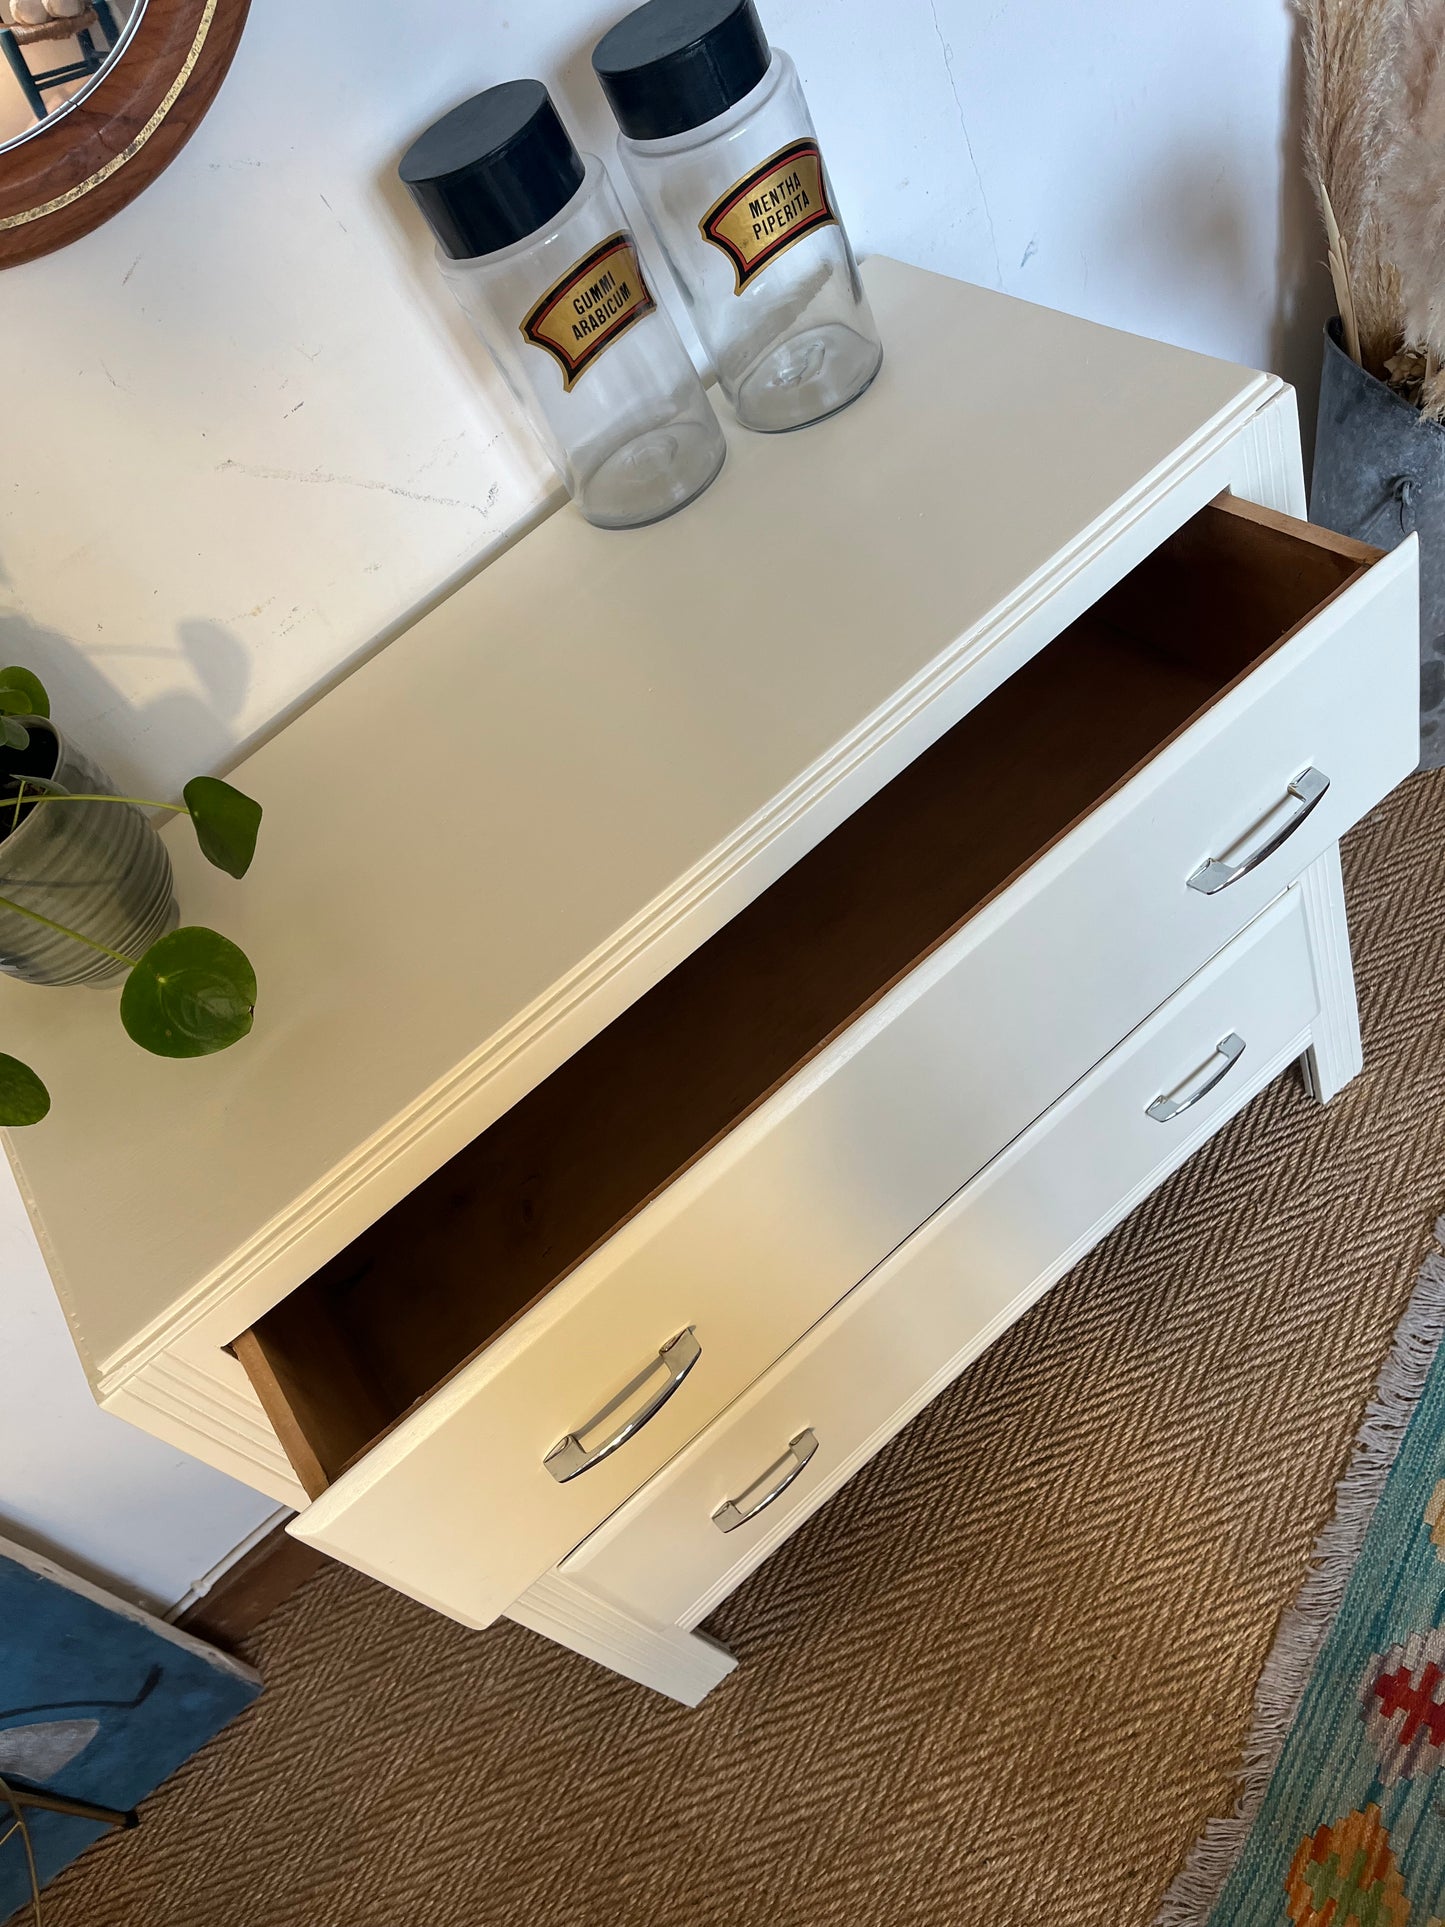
765, 212
595, 301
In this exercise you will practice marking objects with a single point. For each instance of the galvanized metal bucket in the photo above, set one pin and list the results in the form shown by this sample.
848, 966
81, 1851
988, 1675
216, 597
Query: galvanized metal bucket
1379, 475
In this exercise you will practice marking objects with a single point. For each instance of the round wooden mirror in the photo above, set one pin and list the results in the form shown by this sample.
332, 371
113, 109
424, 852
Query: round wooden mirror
96, 97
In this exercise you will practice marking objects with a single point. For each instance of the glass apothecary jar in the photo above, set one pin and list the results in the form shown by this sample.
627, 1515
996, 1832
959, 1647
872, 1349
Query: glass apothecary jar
718, 142
533, 242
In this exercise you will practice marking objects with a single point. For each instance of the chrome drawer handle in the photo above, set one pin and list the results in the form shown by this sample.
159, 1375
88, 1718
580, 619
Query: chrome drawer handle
1165, 1109
570, 1456
1308, 788
732, 1513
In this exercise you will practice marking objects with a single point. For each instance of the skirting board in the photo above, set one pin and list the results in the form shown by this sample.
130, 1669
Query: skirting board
251, 1588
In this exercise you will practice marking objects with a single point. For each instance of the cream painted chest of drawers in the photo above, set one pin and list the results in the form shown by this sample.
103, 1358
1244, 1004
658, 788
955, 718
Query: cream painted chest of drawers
819, 919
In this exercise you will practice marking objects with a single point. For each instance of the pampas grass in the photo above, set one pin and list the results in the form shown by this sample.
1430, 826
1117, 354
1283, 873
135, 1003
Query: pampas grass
1374, 138
1411, 199
1351, 50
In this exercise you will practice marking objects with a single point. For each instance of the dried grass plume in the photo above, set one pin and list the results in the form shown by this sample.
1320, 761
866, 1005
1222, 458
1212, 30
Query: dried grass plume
1374, 138
1411, 202
1351, 58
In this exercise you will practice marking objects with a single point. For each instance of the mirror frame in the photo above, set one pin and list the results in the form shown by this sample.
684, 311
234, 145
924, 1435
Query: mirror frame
57, 184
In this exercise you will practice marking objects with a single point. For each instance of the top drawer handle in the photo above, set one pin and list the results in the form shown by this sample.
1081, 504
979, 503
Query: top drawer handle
1309, 788
569, 1456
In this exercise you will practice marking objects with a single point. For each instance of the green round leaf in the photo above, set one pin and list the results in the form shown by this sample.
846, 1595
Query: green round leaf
13, 735
22, 693
193, 992
23, 1098
226, 823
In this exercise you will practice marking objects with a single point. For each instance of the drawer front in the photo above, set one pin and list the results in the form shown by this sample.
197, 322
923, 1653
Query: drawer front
746, 1250
916, 1321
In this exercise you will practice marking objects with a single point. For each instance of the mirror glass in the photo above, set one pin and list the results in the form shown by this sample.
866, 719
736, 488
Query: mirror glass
52, 52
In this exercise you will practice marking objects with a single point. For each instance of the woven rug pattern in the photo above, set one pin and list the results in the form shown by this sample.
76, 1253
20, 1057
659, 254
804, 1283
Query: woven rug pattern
1340, 1819
1003, 1678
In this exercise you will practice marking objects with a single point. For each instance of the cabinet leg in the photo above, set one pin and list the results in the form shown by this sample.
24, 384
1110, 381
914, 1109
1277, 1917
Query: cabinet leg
1334, 1055
684, 1666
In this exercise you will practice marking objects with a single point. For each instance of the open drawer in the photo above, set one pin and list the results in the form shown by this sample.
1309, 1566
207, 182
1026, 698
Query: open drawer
483, 1376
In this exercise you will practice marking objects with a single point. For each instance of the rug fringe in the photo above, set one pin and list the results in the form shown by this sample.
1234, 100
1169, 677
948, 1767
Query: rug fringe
1305, 1625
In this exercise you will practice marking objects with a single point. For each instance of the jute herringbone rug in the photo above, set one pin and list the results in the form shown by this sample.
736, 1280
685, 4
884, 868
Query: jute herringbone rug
1002, 1679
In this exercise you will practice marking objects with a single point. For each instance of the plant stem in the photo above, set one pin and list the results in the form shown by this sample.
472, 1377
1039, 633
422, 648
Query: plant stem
1339, 260
9, 903
19, 799
141, 802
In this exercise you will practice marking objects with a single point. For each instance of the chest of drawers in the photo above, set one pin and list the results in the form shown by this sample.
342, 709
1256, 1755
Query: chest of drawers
825, 915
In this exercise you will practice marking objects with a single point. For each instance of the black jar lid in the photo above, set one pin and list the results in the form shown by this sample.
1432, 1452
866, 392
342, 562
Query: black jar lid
673, 64
493, 170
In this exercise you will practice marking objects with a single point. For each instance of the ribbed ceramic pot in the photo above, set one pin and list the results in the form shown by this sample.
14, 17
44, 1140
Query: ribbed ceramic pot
95, 867
1380, 475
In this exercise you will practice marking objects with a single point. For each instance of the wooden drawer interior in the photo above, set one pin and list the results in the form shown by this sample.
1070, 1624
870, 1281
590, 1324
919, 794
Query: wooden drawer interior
379, 1328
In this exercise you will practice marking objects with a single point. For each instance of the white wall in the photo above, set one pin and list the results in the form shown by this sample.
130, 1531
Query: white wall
86, 1488
244, 435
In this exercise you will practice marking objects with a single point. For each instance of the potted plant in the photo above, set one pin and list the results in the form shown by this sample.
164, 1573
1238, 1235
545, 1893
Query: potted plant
85, 895
1375, 150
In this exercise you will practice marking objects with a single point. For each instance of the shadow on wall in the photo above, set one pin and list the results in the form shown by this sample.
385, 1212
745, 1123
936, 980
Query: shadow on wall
1304, 300
1196, 226
114, 727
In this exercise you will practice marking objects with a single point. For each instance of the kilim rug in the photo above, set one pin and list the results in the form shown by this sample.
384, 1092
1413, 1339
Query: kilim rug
1341, 1821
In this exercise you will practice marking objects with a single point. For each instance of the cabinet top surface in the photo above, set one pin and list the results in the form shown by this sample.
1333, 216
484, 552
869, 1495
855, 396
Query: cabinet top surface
513, 819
